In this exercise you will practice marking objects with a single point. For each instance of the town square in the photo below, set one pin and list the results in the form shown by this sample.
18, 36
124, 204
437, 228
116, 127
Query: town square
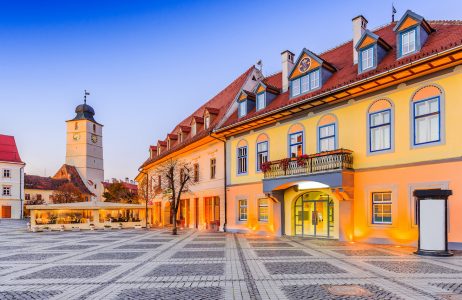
189, 150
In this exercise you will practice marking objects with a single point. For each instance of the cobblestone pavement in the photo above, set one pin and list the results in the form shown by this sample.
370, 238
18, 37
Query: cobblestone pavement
141, 264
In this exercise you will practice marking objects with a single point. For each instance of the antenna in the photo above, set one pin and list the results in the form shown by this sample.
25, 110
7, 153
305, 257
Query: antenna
85, 96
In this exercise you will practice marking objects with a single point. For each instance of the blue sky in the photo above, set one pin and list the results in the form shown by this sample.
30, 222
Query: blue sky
148, 64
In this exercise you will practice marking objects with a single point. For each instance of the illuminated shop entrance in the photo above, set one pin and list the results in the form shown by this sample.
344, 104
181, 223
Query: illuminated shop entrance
314, 215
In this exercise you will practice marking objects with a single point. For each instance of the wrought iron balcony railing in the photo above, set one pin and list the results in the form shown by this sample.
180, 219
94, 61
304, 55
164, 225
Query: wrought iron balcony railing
340, 159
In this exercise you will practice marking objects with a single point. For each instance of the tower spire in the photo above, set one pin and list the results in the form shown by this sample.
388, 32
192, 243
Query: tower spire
85, 97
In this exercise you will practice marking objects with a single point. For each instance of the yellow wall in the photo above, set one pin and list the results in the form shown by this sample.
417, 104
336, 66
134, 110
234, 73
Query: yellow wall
352, 131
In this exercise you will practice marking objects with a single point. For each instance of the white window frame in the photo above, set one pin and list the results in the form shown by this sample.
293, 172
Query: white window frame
6, 191
428, 117
314, 80
242, 108
263, 154
384, 126
407, 42
381, 203
295, 87
261, 101
213, 168
367, 58
242, 210
263, 204
327, 137
242, 160
6, 173
207, 122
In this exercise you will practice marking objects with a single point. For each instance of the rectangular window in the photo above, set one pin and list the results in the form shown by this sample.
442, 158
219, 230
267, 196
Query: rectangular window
196, 172
427, 121
261, 101
380, 130
408, 42
295, 88
263, 210
305, 83
327, 138
242, 160
6, 173
242, 210
296, 144
314, 80
193, 129
6, 191
213, 168
367, 58
242, 109
159, 181
262, 154
27, 196
207, 122
381, 208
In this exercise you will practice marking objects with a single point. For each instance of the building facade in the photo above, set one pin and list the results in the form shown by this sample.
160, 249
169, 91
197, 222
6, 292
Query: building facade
334, 145
11, 179
203, 207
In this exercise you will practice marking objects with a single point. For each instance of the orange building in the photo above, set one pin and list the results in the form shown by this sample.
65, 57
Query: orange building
334, 145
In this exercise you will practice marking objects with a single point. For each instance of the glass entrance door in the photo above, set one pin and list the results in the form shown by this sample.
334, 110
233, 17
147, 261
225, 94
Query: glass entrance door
313, 215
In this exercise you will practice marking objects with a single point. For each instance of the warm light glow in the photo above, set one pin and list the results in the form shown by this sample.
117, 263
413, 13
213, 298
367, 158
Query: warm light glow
352, 242
307, 185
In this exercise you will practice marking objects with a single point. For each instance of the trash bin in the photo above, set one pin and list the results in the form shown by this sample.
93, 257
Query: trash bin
432, 218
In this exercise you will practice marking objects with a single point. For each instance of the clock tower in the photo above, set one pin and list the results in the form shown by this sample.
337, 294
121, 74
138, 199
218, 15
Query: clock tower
84, 148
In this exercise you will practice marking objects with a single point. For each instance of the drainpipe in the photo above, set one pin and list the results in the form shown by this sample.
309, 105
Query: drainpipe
21, 202
147, 195
225, 180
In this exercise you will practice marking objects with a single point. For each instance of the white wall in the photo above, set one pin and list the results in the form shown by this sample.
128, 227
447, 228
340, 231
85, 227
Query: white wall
16, 182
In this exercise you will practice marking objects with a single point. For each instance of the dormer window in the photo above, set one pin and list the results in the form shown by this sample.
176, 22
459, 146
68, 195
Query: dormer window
367, 58
261, 101
193, 129
168, 144
408, 42
305, 83
242, 108
206, 122
180, 136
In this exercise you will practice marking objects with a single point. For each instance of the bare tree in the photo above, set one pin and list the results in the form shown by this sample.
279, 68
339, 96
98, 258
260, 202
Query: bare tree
67, 193
178, 179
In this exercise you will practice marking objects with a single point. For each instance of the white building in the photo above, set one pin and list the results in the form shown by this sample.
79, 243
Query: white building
11, 179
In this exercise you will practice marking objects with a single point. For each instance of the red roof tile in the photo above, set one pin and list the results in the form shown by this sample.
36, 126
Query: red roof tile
8, 150
447, 34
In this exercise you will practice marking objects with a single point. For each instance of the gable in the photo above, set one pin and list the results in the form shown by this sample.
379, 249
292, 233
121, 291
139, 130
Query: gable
243, 96
407, 23
366, 42
305, 64
260, 89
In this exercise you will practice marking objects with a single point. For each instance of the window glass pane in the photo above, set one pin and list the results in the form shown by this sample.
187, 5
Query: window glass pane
295, 87
242, 108
427, 121
314, 76
305, 83
260, 101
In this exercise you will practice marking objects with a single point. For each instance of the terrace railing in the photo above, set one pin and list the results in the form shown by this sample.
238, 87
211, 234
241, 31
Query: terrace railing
340, 159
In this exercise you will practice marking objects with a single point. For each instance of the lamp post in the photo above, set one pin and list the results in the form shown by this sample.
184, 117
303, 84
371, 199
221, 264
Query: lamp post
147, 196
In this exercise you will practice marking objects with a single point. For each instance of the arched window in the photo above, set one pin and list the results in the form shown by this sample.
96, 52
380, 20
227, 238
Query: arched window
380, 126
427, 108
242, 157
296, 140
327, 133
262, 150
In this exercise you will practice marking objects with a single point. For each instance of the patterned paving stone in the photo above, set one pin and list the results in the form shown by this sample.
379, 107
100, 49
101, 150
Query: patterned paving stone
363, 252
154, 240
7, 248
98, 241
331, 292
274, 245
210, 239
412, 267
29, 256
199, 254
139, 246
311, 267
322, 242
205, 245
455, 287
71, 247
28, 295
70, 271
214, 269
276, 253
113, 255
185, 293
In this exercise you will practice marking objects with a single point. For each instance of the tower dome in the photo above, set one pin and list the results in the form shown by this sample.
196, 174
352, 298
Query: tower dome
84, 112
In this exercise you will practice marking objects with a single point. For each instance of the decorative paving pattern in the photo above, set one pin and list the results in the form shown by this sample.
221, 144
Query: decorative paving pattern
193, 293
205, 245
29, 256
188, 270
275, 245
276, 253
71, 247
210, 239
113, 255
364, 252
455, 287
331, 292
28, 295
311, 267
154, 240
420, 267
139, 246
70, 271
199, 254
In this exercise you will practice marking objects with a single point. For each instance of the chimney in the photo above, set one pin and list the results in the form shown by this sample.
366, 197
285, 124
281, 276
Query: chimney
359, 26
126, 179
287, 65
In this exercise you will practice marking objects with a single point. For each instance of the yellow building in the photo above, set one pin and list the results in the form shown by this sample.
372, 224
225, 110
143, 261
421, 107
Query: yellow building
334, 145
203, 207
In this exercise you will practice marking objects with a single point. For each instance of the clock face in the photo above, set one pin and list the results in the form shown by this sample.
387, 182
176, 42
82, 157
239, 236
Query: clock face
76, 137
304, 64
94, 138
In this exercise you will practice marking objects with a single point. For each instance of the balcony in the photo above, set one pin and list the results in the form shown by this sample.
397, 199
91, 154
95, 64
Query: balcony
340, 159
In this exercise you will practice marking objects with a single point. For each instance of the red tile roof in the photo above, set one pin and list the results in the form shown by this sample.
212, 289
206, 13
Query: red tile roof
127, 185
64, 175
447, 34
221, 101
8, 150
